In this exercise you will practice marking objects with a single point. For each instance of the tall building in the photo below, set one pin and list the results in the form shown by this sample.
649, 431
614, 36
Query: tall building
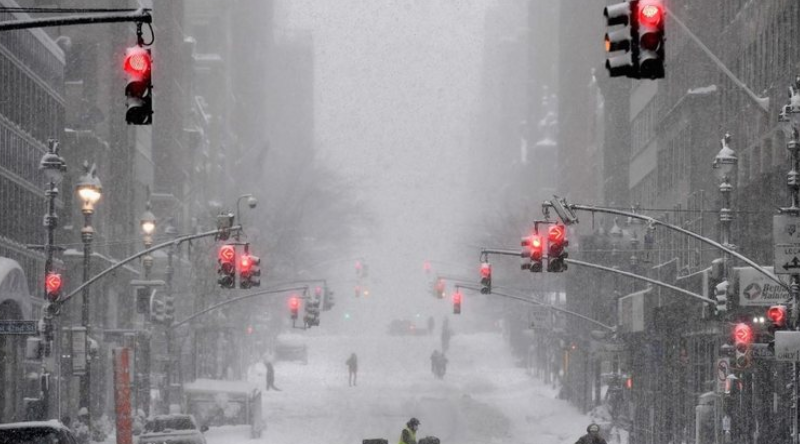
31, 112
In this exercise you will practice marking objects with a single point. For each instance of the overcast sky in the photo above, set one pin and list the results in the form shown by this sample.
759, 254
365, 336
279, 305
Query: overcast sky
396, 87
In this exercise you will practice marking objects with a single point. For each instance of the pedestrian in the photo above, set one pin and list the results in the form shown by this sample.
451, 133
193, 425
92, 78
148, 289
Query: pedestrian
352, 369
435, 362
592, 436
81, 429
442, 365
409, 434
271, 376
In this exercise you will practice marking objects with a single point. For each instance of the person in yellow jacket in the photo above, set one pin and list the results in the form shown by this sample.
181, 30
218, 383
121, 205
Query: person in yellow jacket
409, 434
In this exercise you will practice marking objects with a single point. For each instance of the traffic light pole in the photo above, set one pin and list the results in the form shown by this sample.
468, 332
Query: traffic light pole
541, 304
138, 16
615, 271
762, 102
175, 242
231, 301
656, 222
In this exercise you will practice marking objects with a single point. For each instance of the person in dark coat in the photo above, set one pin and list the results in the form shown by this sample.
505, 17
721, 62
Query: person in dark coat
592, 436
271, 377
409, 434
352, 368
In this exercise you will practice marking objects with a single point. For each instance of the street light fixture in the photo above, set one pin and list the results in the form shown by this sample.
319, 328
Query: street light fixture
148, 224
90, 191
724, 164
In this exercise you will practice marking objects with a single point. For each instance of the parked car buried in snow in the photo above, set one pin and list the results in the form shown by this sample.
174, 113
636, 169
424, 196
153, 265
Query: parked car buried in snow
172, 429
34, 432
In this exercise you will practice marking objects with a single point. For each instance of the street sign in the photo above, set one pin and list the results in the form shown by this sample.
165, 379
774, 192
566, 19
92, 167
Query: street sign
756, 290
762, 352
18, 328
786, 237
79, 347
541, 319
787, 346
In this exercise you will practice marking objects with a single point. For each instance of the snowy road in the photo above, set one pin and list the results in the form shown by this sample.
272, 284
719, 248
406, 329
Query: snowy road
484, 397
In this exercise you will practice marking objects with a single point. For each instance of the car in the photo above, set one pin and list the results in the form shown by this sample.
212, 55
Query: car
36, 432
400, 327
291, 348
172, 429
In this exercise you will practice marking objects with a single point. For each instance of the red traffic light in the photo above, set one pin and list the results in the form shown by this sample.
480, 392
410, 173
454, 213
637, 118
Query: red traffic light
486, 270
536, 241
777, 314
650, 13
742, 334
137, 61
294, 303
555, 234
52, 284
227, 254
245, 263
457, 297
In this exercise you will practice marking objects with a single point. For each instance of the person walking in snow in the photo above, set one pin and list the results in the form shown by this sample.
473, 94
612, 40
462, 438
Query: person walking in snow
352, 369
592, 436
435, 362
409, 434
271, 377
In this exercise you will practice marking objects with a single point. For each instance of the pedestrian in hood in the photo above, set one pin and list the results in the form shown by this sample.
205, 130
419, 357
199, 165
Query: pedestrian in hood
409, 434
592, 436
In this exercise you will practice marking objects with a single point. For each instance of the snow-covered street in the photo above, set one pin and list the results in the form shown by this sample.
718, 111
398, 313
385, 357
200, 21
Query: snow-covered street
484, 397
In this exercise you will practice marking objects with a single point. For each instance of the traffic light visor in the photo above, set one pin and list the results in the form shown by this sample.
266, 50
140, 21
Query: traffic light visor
619, 40
618, 14
137, 61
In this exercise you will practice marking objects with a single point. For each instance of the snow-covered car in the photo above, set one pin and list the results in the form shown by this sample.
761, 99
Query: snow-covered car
399, 327
290, 347
172, 429
35, 432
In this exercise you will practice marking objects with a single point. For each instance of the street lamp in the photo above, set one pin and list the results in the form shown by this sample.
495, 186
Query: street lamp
724, 164
148, 224
90, 191
54, 167
252, 202
789, 119
169, 310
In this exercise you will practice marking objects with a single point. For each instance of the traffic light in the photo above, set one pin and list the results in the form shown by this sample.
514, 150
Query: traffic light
227, 266
650, 18
557, 242
52, 286
294, 306
311, 317
249, 271
537, 252
743, 343
139, 87
439, 288
457, 302
622, 39
486, 278
169, 308
328, 301
778, 316
156, 311
721, 296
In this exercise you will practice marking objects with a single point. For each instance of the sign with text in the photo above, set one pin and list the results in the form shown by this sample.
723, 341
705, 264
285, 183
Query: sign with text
757, 290
78, 351
787, 346
18, 328
787, 243
723, 370
541, 319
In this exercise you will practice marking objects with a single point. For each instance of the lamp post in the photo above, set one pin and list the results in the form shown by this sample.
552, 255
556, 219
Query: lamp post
148, 225
169, 310
724, 165
89, 190
636, 226
54, 167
